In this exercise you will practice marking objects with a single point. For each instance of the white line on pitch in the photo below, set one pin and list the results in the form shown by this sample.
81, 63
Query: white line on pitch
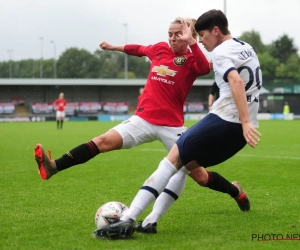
270, 156
241, 155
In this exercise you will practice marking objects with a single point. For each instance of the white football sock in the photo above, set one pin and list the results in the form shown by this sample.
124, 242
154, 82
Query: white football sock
157, 181
165, 200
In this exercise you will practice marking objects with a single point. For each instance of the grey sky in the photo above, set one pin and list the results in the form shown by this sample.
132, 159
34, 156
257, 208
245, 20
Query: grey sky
85, 23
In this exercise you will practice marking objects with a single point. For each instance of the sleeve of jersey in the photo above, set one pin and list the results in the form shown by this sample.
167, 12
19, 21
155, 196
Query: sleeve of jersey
137, 50
214, 88
223, 65
201, 64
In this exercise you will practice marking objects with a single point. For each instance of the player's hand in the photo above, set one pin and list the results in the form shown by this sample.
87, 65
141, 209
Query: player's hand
251, 135
187, 33
211, 66
106, 46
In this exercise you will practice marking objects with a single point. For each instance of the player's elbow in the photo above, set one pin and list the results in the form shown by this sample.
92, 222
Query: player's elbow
206, 69
237, 84
202, 69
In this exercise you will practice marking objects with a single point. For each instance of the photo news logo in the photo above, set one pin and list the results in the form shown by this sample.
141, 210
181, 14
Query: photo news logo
274, 237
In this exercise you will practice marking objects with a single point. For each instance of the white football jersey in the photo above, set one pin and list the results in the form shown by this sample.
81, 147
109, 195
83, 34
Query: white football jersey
237, 55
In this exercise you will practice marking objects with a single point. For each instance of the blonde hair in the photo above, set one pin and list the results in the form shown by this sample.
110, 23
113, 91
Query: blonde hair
189, 21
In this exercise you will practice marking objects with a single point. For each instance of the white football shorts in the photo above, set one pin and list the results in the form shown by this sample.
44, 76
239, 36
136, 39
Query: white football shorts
60, 114
136, 131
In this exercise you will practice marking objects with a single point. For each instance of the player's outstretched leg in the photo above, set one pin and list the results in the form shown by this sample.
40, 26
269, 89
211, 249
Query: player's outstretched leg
46, 165
217, 182
242, 198
119, 229
78, 155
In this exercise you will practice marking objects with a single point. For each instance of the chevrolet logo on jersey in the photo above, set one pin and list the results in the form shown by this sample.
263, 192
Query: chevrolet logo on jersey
164, 71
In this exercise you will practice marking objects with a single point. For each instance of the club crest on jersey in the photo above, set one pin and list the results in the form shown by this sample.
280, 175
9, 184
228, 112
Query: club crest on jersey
179, 60
164, 70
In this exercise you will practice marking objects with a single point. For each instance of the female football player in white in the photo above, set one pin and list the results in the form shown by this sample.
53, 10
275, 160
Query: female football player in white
229, 126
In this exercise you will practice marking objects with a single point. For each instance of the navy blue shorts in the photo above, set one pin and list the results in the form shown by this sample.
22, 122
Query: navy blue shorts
210, 141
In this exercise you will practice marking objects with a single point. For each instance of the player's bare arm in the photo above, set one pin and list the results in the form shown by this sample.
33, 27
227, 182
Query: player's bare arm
238, 92
108, 46
210, 101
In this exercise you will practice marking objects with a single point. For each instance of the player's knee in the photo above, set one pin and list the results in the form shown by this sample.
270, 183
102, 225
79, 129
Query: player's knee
108, 142
200, 176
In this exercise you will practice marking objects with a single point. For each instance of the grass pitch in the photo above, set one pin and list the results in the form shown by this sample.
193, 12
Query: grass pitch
59, 213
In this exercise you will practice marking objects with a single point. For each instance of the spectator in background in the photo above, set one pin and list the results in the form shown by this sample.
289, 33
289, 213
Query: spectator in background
60, 105
213, 95
286, 108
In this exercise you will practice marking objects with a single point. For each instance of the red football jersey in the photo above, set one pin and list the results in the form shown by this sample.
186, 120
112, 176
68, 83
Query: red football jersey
169, 82
60, 104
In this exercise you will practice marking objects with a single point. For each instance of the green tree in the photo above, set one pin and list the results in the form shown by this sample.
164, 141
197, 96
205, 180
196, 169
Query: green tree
130, 75
110, 63
4, 70
281, 71
268, 65
289, 70
77, 63
20, 69
293, 67
35, 68
26, 68
253, 38
139, 66
283, 48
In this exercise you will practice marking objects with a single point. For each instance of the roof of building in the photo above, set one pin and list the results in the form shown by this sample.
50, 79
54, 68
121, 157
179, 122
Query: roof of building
94, 82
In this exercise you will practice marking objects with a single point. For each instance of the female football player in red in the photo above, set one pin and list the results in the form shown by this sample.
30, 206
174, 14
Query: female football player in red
159, 116
60, 106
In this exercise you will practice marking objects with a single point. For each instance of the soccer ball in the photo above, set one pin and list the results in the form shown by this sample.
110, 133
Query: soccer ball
109, 213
